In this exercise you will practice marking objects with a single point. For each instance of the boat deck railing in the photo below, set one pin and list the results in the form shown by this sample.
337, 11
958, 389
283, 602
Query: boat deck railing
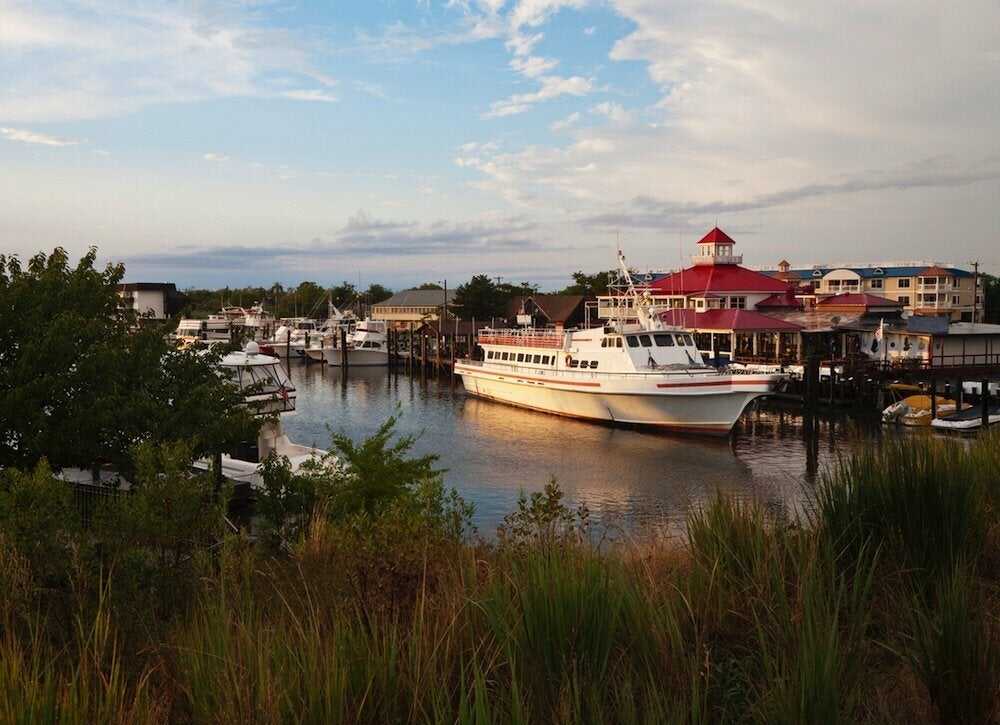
522, 338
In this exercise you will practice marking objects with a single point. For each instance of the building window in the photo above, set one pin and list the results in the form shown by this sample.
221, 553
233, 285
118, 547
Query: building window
955, 300
738, 303
903, 283
904, 300
876, 284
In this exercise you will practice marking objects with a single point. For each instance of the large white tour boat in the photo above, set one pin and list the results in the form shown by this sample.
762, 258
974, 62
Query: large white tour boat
645, 373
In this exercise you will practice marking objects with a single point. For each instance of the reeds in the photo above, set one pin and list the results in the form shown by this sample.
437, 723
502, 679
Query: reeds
881, 607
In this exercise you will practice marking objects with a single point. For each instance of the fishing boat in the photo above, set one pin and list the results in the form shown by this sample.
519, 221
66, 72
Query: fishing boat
368, 346
269, 393
967, 420
646, 373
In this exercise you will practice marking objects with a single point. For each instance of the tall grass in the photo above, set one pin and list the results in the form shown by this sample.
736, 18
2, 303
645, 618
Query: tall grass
879, 608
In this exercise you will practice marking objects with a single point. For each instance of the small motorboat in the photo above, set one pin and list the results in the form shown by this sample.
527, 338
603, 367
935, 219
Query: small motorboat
915, 410
969, 419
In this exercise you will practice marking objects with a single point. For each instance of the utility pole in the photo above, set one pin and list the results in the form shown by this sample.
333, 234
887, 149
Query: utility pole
975, 289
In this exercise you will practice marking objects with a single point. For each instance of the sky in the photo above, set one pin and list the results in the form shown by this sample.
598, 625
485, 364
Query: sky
402, 141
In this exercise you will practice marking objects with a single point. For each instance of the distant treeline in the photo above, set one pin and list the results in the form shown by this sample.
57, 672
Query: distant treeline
482, 297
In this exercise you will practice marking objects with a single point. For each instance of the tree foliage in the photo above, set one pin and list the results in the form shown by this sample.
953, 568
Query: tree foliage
589, 285
991, 298
81, 383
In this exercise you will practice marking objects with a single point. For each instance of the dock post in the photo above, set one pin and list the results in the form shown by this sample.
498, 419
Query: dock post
305, 350
933, 397
984, 400
343, 348
959, 395
288, 344
423, 352
409, 358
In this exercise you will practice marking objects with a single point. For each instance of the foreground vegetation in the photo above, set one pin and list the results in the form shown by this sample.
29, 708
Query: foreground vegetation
367, 600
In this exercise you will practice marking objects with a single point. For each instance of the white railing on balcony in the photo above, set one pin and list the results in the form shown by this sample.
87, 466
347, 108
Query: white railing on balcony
717, 258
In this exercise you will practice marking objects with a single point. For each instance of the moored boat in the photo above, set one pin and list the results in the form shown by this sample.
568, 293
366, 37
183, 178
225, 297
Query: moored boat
367, 346
969, 419
645, 374
915, 410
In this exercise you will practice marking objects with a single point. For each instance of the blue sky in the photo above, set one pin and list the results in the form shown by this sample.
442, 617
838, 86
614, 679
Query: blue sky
234, 142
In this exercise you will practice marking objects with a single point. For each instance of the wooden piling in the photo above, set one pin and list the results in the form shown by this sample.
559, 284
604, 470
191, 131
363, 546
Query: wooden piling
984, 400
343, 348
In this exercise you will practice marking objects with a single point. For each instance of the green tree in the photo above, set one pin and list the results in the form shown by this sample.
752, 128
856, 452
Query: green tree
344, 295
991, 298
81, 384
377, 293
429, 285
589, 285
481, 298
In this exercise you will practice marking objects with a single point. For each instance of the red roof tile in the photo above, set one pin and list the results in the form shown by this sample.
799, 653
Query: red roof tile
780, 299
857, 300
737, 320
716, 236
717, 278
935, 271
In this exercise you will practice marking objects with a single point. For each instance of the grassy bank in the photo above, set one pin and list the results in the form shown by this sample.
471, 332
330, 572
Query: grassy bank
881, 607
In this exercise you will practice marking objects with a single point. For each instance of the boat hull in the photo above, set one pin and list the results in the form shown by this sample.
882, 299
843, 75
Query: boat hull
700, 404
358, 358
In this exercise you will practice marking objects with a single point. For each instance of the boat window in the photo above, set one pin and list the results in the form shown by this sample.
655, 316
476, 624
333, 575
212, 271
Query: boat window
574, 363
489, 355
520, 357
504, 357
646, 342
632, 341
688, 340
618, 342
604, 342
537, 360
545, 359
664, 340
593, 364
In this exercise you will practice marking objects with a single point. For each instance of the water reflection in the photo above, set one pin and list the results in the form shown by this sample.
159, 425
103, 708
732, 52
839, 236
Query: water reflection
630, 478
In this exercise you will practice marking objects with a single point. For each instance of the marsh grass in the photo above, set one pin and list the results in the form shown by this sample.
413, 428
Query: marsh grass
881, 607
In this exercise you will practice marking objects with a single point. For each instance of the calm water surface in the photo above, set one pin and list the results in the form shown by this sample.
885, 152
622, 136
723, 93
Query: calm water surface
633, 479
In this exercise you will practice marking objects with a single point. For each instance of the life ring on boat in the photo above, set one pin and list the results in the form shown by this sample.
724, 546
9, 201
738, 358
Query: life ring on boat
569, 359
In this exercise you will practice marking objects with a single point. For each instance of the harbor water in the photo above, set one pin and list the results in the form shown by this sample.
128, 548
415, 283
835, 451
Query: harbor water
631, 480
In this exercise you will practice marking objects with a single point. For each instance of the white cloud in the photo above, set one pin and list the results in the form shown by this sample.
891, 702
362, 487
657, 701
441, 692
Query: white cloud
84, 59
533, 13
550, 87
613, 111
533, 66
590, 31
17, 134
310, 95
215, 157
564, 123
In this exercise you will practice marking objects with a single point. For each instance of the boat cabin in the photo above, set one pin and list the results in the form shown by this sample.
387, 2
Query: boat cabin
266, 387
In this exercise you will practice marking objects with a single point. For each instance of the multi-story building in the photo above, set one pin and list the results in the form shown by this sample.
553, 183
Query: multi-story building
925, 288
151, 300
